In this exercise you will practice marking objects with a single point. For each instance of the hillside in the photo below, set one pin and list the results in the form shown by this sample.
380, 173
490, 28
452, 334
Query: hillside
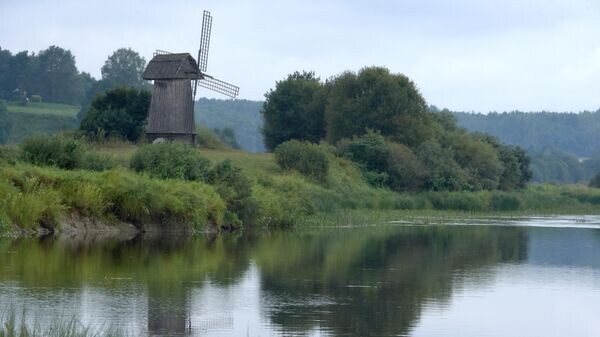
567, 132
40, 118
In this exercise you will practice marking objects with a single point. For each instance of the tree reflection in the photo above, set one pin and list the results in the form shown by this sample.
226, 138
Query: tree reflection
354, 282
374, 283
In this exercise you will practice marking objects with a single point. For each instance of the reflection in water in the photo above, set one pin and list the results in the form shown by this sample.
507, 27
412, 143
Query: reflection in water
375, 281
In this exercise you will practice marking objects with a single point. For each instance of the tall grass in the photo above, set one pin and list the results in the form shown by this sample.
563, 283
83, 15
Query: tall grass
10, 326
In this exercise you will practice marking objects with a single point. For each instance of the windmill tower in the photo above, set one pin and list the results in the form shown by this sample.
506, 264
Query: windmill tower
176, 78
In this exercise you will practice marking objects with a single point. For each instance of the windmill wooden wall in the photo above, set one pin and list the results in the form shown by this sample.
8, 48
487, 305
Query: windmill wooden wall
171, 114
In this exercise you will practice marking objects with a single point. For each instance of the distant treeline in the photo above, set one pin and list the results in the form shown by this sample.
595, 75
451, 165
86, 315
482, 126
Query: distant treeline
574, 133
52, 75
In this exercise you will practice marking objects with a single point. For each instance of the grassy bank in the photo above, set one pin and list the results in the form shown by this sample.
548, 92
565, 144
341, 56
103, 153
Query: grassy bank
34, 197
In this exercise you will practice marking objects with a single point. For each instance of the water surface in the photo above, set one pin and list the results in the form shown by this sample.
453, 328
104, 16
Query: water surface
487, 277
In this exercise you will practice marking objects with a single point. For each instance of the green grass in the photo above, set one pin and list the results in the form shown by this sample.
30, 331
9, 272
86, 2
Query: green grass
54, 109
36, 197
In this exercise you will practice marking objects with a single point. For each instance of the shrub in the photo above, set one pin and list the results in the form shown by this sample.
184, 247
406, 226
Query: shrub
36, 98
94, 161
307, 158
119, 113
58, 151
170, 160
236, 190
9, 154
384, 163
595, 181
505, 202
206, 138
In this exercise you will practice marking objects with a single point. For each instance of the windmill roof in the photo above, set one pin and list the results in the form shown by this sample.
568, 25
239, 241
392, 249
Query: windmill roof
172, 66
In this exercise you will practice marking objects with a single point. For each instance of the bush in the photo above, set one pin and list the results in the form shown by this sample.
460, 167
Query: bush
384, 163
236, 190
505, 202
9, 154
207, 139
307, 158
119, 113
36, 98
94, 161
595, 181
170, 160
59, 151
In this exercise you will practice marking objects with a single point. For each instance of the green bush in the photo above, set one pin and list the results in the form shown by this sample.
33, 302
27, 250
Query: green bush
384, 163
94, 161
36, 98
9, 154
119, 112
305, 157
457, 201
505, 202
170, 160
59, 151
236, 190
207, 139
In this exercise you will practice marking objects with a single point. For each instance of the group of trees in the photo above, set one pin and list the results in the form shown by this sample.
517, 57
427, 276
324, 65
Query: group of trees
52, 74
380, 121
574, 133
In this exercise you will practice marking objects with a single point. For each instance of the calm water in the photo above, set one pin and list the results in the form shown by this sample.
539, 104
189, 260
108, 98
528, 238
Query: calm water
529, 277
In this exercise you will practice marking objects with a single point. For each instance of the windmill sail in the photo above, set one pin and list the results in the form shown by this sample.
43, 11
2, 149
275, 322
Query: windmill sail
204, 41
219, 86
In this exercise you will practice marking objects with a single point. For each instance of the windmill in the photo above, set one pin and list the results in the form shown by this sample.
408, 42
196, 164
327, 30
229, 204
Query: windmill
176, 79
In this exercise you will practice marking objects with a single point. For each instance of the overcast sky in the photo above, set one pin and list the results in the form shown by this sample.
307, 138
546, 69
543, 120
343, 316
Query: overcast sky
470, 55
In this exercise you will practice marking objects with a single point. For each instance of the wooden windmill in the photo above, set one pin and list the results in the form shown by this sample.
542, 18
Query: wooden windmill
176, 78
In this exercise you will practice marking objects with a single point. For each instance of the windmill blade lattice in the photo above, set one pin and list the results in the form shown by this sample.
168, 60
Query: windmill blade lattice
219, 86
204, 41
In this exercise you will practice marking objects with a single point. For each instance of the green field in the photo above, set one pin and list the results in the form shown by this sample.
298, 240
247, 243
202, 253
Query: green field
40, 118
55, 109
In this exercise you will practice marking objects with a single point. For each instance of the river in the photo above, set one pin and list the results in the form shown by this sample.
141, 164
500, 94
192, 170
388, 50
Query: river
477, 277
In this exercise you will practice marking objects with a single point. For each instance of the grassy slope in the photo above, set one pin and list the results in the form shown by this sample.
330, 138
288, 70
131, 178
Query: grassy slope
40, 118
40, 195
55, 109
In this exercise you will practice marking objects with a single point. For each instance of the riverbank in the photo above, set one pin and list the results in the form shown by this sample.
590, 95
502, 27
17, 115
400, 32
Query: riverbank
36, 198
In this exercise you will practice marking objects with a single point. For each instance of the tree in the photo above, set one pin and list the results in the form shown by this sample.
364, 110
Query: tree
294, 110
124, 68
5, 123
595, 181
378, 100
6, 87
57, 73
119, 113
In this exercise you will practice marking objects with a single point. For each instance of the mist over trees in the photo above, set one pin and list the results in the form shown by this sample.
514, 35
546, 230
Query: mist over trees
380, 121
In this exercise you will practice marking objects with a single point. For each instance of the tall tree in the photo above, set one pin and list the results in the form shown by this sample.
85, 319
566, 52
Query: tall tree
57, 76
5, 123
5, 86
378, 100
294, 110
124, 68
